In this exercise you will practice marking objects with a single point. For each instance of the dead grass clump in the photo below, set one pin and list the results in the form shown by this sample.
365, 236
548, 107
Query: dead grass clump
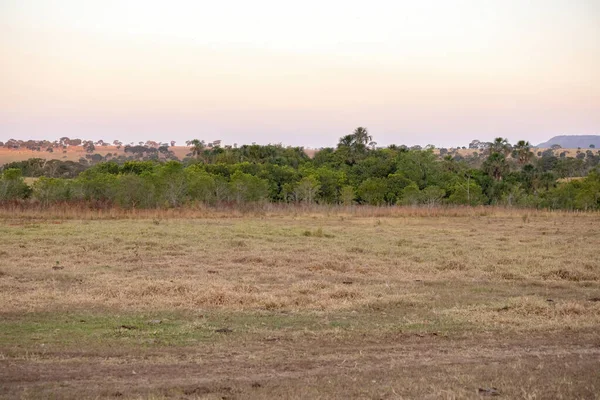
528, 306
344, 294
329, 265
217, 297
395, 302
505, 261
530, 313
317, 233
403, 242
240, 244
309, 287
359, 250
535, 306
570, 275
452, 265
249, 259
271, 305
511, 276
245, 288
572, 308
162, 289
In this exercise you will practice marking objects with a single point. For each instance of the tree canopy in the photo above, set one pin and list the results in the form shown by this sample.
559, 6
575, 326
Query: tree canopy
355, 172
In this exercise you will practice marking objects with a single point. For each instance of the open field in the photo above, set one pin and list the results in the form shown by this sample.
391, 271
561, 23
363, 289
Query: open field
326, 304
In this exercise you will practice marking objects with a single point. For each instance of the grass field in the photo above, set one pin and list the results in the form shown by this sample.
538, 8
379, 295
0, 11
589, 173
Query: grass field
336, 304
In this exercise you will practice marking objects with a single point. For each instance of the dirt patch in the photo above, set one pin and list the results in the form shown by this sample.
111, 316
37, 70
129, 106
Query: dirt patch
379, 367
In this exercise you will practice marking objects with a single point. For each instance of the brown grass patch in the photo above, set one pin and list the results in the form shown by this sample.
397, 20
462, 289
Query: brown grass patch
393, 303
207, 262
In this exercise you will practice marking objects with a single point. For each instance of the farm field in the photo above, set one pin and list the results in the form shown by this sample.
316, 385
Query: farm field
459, 303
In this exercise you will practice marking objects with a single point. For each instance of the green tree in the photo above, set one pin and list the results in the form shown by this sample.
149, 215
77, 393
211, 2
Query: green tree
500, 145
396, 184
247, 188
361, 137
278, 176
432, 195
307, 189
346, 141
135, 191
94, 186
201, 185
13, 186
373, 191
221, 189
51, 190
330, 182
420, 166
173, 183
496, 166
411, 195
197, 146
467, 193
522, 152
347, 195
588, 192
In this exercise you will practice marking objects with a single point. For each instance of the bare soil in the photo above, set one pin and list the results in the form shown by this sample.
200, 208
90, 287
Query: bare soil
553, 365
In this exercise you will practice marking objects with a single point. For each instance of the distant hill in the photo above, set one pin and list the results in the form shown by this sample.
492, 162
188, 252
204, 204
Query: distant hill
573, 142
75, 153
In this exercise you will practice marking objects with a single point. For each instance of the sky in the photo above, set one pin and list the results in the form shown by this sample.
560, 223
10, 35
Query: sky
300, 73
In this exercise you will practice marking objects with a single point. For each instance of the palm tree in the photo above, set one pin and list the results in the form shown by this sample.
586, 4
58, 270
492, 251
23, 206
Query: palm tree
197, 147
361, 136
346, 141
499, 145
496, 166
522, 152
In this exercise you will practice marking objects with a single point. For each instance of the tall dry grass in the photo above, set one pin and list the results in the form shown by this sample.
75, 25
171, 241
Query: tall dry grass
87, 211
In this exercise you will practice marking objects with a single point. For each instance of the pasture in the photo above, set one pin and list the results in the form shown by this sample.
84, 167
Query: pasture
331, 303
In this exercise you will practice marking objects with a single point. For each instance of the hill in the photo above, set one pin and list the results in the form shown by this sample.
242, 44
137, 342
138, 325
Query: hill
74, 153
573, 141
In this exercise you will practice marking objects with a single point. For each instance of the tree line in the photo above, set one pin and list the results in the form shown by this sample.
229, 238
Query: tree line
354, 172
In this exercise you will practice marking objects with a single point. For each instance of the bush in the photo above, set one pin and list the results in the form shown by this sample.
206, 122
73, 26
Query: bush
13, 186
51, 190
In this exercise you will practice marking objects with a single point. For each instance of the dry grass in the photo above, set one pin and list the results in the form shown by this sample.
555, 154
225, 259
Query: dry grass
86, 211
303, 263
316, 278
72, 153
77, 152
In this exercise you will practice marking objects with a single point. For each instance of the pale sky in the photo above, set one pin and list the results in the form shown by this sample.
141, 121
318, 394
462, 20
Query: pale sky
299, 73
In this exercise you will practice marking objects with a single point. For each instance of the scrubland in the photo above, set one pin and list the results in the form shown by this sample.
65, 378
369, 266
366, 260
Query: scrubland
311, 303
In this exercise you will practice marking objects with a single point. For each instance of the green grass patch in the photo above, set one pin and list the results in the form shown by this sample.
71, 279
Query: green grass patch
66, 330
